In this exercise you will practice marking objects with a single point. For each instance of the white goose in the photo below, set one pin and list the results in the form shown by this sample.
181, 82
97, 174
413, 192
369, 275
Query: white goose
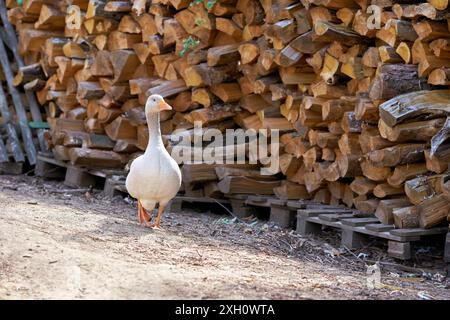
154, 177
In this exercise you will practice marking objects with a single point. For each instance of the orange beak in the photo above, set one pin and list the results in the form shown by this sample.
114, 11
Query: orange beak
164, 106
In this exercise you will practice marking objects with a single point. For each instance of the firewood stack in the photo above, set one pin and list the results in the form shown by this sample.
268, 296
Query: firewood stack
344, 93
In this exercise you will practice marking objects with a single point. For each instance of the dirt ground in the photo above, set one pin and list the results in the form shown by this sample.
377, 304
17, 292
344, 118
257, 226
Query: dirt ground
56, 243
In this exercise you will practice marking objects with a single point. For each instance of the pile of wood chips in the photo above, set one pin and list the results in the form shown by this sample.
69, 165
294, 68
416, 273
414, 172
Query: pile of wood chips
361, 108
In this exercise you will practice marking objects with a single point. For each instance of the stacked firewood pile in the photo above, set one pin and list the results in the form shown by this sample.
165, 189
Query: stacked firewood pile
359, 90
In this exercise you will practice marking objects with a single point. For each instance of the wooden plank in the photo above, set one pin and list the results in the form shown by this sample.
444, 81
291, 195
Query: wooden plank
30, 149
317, 212
357, 222
104, 173
362, 229
12, 43
316, 219
3, 154
336, 217
259, 201
385, 234
297, 204
418, 232
277, 202
379, 227
51, 160
15, 144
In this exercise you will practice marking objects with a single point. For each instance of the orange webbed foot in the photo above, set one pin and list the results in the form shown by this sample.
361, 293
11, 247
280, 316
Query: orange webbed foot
143, 216
157, 227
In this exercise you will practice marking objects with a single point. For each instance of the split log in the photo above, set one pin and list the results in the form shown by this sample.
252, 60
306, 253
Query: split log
96, 158
397, 155
244, 185
202, 74
411, 131
385, 209
424, 187
375, 173
405, 172
406, 218
384, 189
434, 164
288, 190
433, 211
121, 128
28, 73
362, 185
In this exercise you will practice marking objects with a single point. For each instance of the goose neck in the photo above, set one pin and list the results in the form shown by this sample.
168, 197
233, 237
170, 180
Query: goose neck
154, 130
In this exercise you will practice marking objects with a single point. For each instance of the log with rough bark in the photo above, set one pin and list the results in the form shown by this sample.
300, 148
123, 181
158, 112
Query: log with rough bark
433, 211
438, 142
414, 105
396, 79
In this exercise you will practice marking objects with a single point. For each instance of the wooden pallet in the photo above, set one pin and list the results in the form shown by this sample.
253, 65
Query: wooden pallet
74, 176
355, 232
281, 212
284, 212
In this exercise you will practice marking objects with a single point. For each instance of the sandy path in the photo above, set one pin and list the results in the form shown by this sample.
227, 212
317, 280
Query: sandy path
69, 246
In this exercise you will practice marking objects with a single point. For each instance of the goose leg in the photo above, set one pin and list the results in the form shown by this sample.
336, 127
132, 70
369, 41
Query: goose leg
139, 212
157, 225
143, 216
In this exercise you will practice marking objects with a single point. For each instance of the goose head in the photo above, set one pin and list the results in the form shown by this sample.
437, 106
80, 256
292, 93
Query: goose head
155, 103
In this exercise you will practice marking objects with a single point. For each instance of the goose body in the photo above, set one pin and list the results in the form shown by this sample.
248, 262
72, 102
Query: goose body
154, 177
